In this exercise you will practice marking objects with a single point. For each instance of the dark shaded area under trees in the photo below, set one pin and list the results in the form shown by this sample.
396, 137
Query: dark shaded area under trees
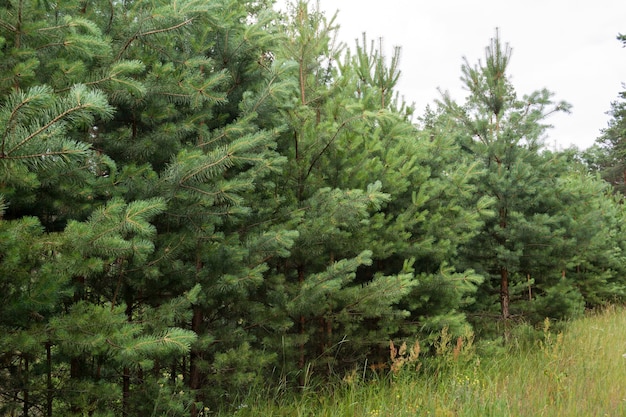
199, 197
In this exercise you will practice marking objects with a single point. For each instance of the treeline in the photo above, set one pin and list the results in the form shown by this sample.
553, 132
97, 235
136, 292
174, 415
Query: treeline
202, 196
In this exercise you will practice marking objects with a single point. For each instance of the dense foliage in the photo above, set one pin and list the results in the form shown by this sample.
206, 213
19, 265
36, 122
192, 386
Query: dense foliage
197, 197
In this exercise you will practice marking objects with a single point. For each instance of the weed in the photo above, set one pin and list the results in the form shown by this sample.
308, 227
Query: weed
401, 357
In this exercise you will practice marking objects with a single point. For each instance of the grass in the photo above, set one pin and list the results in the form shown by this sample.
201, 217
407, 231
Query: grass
580, 372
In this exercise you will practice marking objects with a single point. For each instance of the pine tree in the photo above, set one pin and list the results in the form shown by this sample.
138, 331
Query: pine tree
315, 286
431, 211
63, 163
505, 133
592, 218
201, 145
608, 155
358, 188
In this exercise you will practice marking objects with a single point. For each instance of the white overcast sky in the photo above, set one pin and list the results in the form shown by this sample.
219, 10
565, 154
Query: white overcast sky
566, 46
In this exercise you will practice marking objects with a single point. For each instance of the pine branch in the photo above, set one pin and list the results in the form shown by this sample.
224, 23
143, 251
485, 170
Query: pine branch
151, 32
94, 102
330, 141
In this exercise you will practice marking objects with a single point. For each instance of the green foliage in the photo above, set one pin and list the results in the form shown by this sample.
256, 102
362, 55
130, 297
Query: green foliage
200, 197
533, 250
34, 279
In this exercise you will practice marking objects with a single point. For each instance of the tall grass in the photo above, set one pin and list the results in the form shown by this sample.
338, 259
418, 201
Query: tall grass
580, 372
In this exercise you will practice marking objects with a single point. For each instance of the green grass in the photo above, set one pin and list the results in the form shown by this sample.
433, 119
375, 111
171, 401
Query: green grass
578, 373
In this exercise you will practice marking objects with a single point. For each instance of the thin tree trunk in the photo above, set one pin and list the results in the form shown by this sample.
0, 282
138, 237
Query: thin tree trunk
125, 390
301, 322
75, 373
76, 361
26, 381
195, 376
49, 390
18, 39
504, 292
329, 338
126, 370
194, 372
301, 347
504, 284
302, 332
504, 301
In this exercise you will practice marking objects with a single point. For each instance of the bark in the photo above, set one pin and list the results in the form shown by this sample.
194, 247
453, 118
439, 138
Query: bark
302, 331
504, 284
504, 293
26, 390
194, 372
125, 390
49, 386
126, 370
195, 376
301, 322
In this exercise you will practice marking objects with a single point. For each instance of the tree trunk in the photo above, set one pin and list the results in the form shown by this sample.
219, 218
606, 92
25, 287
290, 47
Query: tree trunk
126, 370
504, 301
302, 331
504, 281
75, 373
125, 390
195, 376
26, 381
49, 386
301, 322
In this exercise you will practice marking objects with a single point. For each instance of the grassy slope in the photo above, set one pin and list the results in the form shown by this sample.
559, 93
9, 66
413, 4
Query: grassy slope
579, 373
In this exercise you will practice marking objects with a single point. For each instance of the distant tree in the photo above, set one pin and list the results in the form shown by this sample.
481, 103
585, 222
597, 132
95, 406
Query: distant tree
608, 156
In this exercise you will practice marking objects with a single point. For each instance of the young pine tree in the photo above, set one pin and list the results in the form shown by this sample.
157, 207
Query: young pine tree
505, 134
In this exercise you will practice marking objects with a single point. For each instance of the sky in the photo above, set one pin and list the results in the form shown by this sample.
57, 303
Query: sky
566, 46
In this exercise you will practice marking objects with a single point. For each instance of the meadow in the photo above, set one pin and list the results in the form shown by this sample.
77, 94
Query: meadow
580, 371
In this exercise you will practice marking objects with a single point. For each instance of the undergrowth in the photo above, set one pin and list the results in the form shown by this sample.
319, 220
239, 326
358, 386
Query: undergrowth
578, 372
